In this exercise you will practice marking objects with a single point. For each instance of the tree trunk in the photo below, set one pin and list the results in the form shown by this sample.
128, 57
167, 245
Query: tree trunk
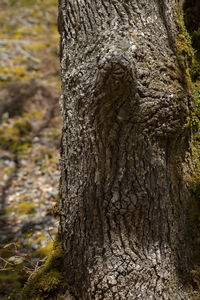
125, 135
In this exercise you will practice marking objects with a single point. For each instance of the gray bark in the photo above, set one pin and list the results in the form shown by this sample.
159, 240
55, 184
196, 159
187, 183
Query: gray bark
125, 135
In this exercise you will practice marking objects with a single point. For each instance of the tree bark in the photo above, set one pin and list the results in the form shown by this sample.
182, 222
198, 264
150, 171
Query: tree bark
126, 131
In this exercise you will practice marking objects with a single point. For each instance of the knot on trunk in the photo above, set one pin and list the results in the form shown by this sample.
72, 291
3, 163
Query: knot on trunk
116, 76
115, 88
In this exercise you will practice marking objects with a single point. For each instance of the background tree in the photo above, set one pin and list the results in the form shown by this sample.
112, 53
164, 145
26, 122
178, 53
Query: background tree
126, 131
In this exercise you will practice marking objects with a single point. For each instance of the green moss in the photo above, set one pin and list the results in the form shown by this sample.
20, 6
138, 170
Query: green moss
33, 115
22, 208
23, 127
29, 234
49, 280
26, 208
196, 112
190, 65
14, 137
185, 52
8, 136
41, 238
195, 69
188, 57
44, 251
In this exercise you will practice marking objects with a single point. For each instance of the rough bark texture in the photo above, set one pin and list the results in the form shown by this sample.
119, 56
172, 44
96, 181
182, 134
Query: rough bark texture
125, 134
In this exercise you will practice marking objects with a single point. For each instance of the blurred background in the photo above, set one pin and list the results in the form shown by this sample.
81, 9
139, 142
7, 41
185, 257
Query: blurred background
30, 132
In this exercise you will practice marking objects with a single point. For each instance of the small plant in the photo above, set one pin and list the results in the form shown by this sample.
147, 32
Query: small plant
16, 268
14, 137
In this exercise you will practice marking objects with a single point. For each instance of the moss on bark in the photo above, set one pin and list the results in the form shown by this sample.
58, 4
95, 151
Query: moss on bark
189, 53
49, 281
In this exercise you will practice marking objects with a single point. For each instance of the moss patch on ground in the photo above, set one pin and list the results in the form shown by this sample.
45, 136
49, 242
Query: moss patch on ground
14, 136
26, 208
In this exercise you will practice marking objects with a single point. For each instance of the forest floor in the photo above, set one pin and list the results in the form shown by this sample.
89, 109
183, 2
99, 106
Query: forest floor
30, 132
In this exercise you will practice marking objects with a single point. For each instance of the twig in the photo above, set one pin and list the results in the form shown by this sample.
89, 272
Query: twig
6, 269
50, 235
23, 42
5, 261
27, 54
